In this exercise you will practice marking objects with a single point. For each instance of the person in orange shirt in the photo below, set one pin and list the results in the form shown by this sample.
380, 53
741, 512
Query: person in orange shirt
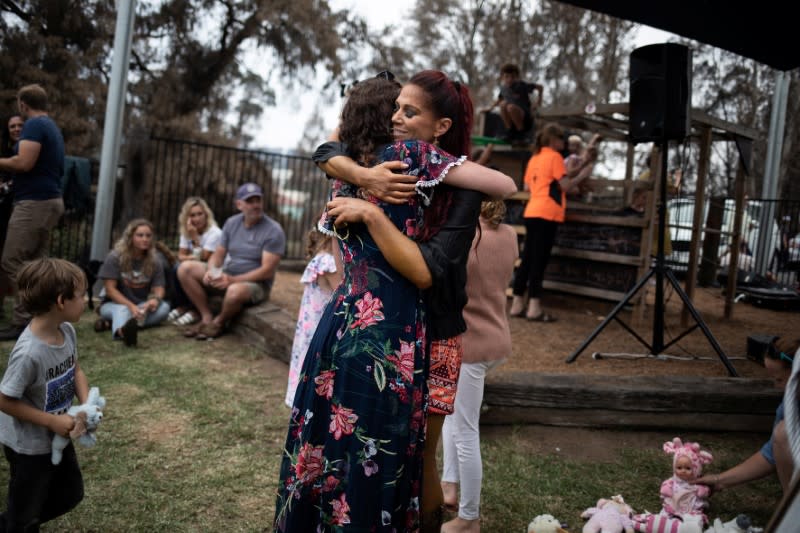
548, 182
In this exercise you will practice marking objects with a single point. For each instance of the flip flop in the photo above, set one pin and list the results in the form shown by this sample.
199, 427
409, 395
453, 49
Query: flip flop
191, 331
209, 331
543, 317
521, 314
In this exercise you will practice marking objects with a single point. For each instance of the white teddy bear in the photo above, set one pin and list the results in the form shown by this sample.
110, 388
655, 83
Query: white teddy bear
87, 418
545, 523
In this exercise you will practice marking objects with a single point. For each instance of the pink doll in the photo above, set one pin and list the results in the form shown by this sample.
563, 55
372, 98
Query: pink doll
679, 495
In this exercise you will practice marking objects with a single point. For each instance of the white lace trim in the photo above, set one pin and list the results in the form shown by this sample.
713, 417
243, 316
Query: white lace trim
426, 184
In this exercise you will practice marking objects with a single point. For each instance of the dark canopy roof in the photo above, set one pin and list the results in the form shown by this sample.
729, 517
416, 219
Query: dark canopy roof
766, 33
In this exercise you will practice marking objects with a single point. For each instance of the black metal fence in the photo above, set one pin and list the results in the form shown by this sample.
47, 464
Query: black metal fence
295, 190
162, 173
770, 235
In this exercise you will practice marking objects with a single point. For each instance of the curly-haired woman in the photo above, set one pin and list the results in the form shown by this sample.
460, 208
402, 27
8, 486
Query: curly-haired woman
133, 282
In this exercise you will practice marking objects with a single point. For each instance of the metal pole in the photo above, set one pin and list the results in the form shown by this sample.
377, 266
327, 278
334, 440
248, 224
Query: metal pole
769, 188
112, 129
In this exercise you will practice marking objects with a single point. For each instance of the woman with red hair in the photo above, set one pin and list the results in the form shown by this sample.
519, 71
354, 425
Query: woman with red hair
433, 108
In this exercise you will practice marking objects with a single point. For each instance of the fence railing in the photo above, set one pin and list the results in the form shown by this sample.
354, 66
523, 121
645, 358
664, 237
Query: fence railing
163, 172
770, 236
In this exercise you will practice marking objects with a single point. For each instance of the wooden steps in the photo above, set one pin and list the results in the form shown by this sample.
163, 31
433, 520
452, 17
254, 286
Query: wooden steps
665, 402
654, 402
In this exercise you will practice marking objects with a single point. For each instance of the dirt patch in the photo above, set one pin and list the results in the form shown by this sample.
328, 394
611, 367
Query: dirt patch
541, 347
572, 442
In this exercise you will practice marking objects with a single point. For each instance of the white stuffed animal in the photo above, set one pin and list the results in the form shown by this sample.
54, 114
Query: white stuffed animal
87, 418
662, 523
609, 516
545, 523
740, 524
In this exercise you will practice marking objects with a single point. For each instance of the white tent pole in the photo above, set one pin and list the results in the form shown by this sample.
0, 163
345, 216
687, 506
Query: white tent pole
112, 129
769, 189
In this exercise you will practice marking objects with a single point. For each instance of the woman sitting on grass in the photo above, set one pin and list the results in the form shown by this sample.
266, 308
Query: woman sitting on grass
133, 282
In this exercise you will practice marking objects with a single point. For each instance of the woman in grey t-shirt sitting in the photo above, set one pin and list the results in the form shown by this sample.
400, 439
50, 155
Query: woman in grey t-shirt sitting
133, 281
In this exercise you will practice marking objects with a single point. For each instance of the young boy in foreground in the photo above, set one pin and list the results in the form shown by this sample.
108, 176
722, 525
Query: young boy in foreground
41, 381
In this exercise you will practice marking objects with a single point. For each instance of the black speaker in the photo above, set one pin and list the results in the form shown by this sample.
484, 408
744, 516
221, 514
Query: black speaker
660, 92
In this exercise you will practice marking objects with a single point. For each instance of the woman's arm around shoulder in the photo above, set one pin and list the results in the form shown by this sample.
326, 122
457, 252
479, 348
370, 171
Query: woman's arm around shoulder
475, 177
383, 181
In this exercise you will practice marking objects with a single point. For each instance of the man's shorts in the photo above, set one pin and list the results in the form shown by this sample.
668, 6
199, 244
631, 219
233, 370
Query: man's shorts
259, 292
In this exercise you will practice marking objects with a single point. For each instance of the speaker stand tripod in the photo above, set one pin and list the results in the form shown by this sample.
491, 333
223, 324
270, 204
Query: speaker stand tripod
661, 272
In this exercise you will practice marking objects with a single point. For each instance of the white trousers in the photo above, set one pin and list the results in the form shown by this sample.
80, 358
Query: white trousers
461, 439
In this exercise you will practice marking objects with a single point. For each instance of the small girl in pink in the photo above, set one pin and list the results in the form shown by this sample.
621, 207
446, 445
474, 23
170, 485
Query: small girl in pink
679, 494
321, 276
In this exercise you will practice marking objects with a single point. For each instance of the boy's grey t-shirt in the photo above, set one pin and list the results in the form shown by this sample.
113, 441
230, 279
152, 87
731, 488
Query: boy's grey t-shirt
244, 245
42, 376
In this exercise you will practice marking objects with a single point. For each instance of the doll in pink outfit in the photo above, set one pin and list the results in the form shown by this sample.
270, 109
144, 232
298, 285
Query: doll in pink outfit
679, 494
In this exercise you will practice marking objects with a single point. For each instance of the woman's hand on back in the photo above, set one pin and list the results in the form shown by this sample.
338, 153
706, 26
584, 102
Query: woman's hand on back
351, 210
382, 182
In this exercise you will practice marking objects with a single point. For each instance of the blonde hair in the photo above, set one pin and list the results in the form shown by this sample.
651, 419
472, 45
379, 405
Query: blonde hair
124, 247
493, 212
184, 214
41, 281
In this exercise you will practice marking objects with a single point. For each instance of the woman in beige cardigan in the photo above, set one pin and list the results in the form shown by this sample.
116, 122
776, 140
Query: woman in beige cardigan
486, 342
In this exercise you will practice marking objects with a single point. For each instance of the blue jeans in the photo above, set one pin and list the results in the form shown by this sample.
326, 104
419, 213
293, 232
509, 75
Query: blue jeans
118, 314
38, 490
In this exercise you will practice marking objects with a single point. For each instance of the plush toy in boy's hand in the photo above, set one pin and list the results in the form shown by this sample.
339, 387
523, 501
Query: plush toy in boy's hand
87, 417
609, 516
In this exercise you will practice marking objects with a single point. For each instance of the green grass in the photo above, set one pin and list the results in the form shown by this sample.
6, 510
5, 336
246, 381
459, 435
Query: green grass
518, 485
193, 430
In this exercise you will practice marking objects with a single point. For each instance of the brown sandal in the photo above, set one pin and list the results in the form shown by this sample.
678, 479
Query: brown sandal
192, 331
209, 331
101, 325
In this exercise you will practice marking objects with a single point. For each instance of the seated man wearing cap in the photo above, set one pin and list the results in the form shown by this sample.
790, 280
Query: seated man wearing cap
241, 268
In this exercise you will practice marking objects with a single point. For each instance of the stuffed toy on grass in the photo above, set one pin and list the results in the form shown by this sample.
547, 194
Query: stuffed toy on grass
662, 523
680, 495
740, 524
87, 417
545, 523
609, 516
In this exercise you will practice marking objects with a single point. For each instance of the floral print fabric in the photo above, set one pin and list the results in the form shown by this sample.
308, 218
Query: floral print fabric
444, 368
311, 307
353, 454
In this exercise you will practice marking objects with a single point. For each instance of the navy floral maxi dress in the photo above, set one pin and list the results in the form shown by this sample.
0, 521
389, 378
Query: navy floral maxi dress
353, 455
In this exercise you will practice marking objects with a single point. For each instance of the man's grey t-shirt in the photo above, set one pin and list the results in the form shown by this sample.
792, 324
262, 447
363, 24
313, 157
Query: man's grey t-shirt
42, 376
245, 245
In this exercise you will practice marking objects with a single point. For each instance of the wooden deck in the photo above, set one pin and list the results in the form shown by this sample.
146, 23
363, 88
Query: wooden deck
647, 402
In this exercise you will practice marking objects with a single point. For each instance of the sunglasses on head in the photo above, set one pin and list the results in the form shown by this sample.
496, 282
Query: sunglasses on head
386, 75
